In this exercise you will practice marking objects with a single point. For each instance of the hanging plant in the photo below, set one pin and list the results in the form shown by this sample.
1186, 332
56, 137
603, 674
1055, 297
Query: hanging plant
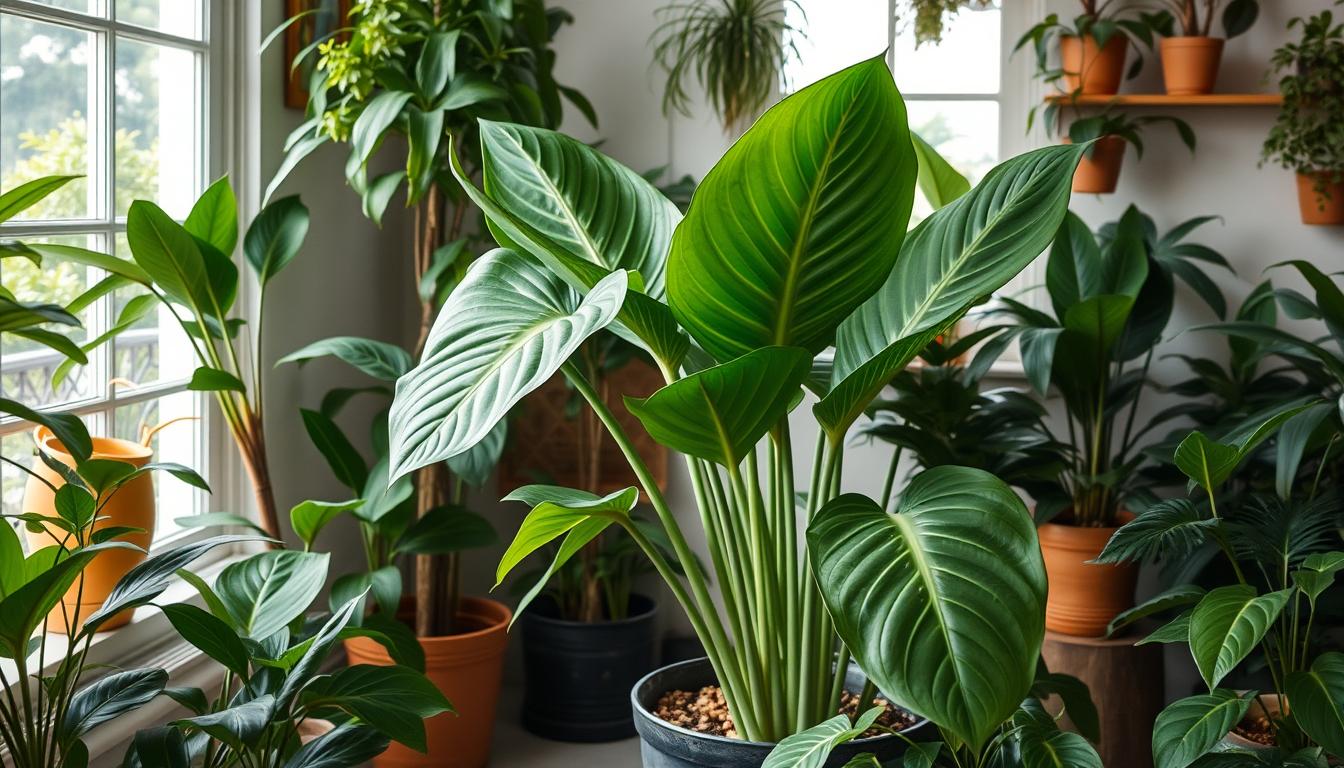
734, 49
928, 16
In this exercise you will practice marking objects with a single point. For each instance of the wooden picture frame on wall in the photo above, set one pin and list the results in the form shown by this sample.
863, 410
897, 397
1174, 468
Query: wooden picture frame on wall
331, 15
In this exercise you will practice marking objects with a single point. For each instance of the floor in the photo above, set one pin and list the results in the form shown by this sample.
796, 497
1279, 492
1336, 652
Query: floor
516, 748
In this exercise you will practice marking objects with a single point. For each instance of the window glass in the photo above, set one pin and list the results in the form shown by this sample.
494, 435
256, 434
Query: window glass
837, 34
46, 109
157, 133
177, 441
967, 60
172, 17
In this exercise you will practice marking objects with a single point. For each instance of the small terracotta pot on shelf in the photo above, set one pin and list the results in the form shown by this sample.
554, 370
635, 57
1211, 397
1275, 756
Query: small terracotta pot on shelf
1099, 171
1190, 64
1320, 195
468, 668
1090, 69
1084, 597
131, 505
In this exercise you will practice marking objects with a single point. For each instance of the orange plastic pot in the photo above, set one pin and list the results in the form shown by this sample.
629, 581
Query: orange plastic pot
1098, 172
130, 505
1084, 597
1092, 69
1320, 195
468, 669
1190, 64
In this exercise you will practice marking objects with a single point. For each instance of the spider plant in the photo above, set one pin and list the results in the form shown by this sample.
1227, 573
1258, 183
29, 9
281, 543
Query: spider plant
734, 49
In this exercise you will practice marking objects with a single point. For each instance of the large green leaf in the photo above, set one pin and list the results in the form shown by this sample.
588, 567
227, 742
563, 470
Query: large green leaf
275, 237
170, 255
1208, 463
507, 328
378, 359
449, 528
109, 697
475, 465
1190, 727
210, 635
308, 518
345, 462
811, 748
267, 591
953, 259
719, 413
238, 726
1052, 748
214, 217
800, 221
938, 180
395, 700
24, 608
1318, 700
150, 578
346, 746
1073, 271
1171, 528
943, 604
28, 194
586, 217
579, 516
1226, 626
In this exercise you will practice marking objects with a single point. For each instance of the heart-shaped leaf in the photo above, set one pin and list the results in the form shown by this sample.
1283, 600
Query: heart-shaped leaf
943, 603
1318, 700
1052, 748
214, 217
267, 591
1227, 625
1190, 727
395, 700
506, 329
719, 413
308, 518
275, 236
800, 221
953, 259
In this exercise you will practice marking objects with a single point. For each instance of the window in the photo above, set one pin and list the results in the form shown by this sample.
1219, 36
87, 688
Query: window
115, 90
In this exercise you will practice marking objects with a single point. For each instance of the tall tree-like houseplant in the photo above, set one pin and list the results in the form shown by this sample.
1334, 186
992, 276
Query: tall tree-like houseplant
794, 242
416, 72
734, 50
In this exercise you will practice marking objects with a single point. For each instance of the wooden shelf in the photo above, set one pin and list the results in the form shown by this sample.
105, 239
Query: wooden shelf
1164, 100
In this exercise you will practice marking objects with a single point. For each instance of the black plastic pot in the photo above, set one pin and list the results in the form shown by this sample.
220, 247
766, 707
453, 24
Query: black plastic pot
664, 745
578, 675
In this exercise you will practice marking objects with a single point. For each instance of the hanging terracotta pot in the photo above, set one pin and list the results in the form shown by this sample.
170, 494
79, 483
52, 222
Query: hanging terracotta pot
1320, 195
468, 668
131, 505
1190, 64
1091, 69
1099, 171
1084, 597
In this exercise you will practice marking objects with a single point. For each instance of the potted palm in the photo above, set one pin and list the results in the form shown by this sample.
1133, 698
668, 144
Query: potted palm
1306, 137
1190, 53
1111, 298
797, 266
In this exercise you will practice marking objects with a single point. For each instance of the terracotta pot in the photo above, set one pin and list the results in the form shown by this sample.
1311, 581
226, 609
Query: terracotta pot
1321, 208
1084, 597
1089, 69
313, 728
1190, 64
468, 668
1099, 171
130, 505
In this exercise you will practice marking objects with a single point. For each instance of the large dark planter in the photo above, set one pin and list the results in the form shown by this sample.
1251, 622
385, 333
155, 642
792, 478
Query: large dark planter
578, 675
664, 745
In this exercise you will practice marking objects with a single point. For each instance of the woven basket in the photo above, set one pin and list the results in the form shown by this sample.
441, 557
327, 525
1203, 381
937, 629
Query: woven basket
543, 442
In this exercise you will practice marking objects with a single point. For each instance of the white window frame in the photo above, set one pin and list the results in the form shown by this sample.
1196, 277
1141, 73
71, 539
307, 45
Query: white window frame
218, 157
231, 91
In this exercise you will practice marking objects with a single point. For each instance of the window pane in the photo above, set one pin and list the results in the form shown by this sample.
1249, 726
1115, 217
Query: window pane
79, 6
158, 130
964, 132
966, 61
179, 442
838, 34
45, 113
173, 17
26, 367
154, 348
